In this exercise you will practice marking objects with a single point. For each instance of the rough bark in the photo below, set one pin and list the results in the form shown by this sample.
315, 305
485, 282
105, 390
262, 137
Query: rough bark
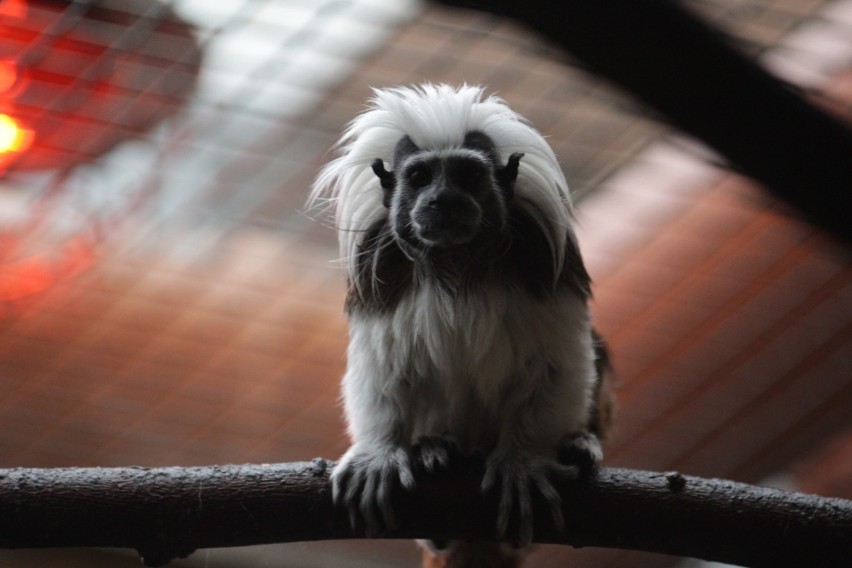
166, 513
683, 69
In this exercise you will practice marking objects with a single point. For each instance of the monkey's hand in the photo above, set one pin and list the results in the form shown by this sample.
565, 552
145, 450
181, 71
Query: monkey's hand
363, 481
582, 449
434, 453
515, 474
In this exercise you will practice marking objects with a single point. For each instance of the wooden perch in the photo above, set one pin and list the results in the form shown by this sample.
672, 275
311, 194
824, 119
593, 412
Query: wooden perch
165, 513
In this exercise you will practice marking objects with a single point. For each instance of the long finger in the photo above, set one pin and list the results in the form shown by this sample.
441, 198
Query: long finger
545, 487
505, 507
384, 498
368, 506
525, 528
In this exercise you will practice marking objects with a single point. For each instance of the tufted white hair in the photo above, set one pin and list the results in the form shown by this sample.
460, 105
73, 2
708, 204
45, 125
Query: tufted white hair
436, 117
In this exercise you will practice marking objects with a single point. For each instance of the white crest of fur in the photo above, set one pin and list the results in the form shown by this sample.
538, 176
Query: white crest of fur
437, 117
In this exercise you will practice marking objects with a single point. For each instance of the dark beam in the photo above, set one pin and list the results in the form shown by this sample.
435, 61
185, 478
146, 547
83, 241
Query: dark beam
682, 68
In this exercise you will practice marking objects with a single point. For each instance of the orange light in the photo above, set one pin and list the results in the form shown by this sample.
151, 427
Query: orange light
13, 137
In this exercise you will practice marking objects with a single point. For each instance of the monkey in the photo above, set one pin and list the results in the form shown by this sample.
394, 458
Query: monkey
467, 302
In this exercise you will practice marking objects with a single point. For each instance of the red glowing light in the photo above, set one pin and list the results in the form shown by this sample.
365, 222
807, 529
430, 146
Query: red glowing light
23, 278
8, 75
13, 137
13, 8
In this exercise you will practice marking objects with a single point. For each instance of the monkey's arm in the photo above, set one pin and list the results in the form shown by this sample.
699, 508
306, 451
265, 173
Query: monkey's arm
546, 418
379, 457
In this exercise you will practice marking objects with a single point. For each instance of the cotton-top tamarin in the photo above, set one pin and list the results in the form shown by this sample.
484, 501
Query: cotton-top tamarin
467, 304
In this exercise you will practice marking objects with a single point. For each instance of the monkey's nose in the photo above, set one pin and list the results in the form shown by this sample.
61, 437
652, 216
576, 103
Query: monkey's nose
446, 201
446, 219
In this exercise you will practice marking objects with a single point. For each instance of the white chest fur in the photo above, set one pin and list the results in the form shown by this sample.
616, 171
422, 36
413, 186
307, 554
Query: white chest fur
457, 364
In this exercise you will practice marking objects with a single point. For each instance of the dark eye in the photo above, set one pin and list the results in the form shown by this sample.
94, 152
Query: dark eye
419, 176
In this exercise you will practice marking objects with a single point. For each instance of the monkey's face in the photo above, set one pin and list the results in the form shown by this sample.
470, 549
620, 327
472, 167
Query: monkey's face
446, 198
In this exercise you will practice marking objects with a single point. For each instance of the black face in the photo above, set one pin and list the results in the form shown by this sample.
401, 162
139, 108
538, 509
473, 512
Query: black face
447, 198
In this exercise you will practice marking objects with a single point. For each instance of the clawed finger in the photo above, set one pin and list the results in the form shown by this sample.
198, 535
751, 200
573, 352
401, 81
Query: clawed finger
545, 487
368, 506
525, 527
505, 507
339, 479
354, 486
383, 498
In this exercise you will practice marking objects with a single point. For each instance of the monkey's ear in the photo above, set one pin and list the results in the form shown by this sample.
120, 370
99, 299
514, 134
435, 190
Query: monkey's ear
507, 175
387, 180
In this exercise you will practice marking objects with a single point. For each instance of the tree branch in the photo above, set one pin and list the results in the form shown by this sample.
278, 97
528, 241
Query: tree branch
165, 513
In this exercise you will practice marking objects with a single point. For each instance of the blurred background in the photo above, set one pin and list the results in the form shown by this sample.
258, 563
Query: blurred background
166, 299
